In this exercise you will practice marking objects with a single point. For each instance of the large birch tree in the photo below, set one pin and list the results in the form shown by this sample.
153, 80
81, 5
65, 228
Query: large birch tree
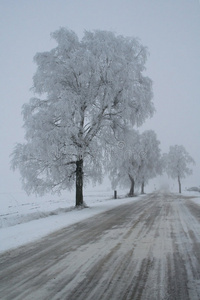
85, 90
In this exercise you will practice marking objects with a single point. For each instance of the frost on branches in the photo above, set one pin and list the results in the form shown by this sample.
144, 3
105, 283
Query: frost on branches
176, 163
86, 91
124, 160
136, 162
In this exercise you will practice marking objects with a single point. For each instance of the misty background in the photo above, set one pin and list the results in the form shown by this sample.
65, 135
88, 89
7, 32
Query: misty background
171, 31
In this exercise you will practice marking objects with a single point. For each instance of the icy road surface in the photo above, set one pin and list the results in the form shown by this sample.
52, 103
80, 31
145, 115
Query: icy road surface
148, 249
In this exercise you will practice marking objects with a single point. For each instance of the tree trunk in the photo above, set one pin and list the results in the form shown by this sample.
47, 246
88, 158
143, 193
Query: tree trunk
131, 192
142, 188
79, 182
179, 184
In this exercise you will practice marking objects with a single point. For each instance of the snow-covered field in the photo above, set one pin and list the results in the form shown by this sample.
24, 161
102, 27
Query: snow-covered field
196, 195
26, 219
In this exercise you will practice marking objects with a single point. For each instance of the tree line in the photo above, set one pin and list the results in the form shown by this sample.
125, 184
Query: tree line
90, 95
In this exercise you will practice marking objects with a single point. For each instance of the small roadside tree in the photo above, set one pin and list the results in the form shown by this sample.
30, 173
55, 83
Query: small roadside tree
124, 161
136, 160
150, 158
176, 163
87, 89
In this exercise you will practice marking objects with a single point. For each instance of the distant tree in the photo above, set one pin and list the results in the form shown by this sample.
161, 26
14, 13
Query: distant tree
125, 160
136, 160
88, 89
176, 163
150, 158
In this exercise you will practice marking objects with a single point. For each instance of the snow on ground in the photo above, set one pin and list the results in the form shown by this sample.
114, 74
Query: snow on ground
196, 196
25, 219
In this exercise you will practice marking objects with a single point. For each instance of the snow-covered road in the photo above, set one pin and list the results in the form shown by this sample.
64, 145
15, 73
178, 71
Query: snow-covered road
148, 249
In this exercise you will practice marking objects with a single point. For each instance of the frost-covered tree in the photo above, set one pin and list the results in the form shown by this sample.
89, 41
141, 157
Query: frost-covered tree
176, 163
136, 160
124, 161
150, 158
86, 90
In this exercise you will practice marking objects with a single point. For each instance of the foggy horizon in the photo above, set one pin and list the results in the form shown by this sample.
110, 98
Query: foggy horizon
170, 30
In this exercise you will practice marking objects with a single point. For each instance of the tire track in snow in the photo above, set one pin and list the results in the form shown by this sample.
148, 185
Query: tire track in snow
145, 250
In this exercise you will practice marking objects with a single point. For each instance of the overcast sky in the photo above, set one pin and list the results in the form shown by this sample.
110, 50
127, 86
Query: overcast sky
169, 28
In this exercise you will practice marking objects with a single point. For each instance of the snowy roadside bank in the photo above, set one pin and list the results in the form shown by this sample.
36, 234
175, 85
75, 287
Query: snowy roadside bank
20, 234
196, 196
27, 222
